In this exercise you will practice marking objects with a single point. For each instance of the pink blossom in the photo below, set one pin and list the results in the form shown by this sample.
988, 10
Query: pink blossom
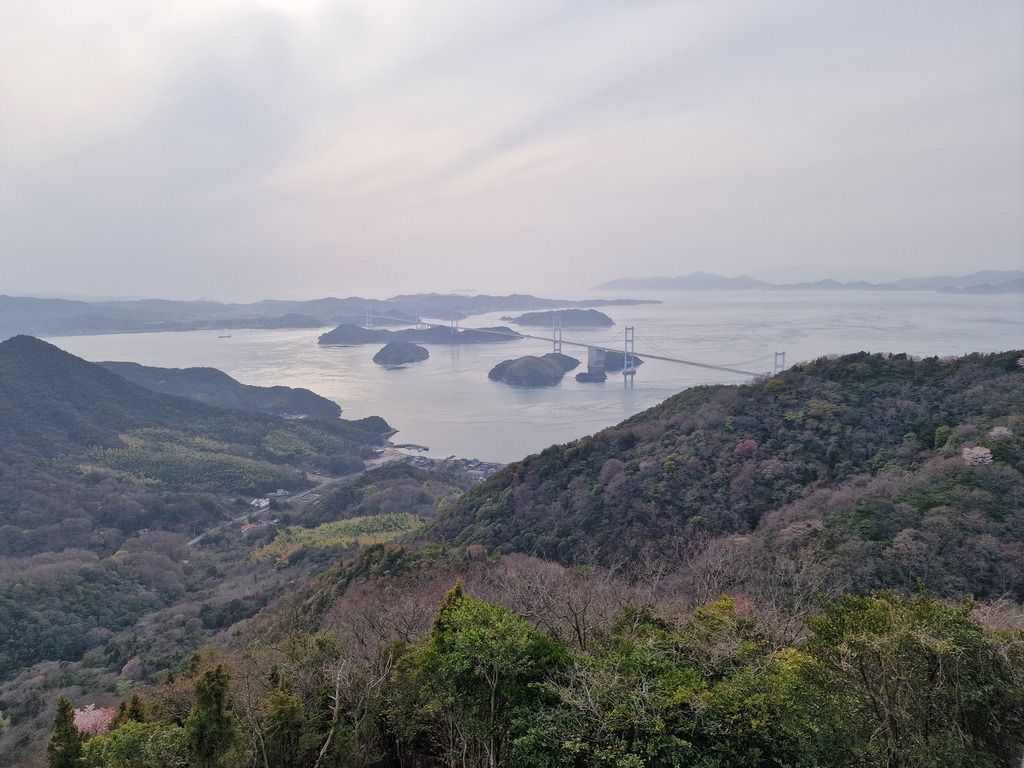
93, 720
976, 456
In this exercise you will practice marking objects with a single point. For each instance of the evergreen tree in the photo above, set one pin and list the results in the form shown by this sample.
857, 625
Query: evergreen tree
283, 724
128, 711
65, 747
456, 694
209, 727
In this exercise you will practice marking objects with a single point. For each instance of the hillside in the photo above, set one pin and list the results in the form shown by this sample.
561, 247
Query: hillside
700, 581
215, 387
102, 481
84, 451
862, 455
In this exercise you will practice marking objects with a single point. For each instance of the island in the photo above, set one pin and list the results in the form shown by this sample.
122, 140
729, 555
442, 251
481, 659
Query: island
532, 371
568, 318
400, 353
349, 334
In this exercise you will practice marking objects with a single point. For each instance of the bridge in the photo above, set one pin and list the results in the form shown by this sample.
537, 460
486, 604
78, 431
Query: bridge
628, 347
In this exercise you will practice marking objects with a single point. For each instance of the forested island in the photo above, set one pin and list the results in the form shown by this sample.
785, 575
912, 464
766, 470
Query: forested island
532, 371
348, 334
821, 568
568, 318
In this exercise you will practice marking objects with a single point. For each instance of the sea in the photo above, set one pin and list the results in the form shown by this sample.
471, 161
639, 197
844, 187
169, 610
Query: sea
449, 406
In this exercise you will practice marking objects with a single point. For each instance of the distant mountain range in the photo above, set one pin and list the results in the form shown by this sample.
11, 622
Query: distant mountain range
988, 281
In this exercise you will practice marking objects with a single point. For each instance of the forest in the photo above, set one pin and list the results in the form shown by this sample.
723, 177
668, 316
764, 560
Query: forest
822, 568
601, 671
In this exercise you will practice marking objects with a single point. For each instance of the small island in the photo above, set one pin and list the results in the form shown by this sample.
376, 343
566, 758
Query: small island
531, 371
569, 318
400, 353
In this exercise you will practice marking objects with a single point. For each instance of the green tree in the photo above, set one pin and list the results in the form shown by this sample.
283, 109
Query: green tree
457, 693
707, 694
128, 710
65, 747
138, 745
210, 727
283, 723
912, 682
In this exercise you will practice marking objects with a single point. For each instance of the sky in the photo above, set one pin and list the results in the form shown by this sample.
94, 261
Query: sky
246, 149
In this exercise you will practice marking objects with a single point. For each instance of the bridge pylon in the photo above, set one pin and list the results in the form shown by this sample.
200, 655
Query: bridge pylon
629, 358
556, 335
779, 364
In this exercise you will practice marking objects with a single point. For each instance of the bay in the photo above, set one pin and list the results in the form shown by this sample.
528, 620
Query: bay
448, 404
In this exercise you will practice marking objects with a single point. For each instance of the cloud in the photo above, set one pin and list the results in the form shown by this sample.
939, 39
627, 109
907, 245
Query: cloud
242, 147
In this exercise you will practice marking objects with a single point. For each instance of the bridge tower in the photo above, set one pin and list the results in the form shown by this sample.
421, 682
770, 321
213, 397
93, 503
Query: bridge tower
368, 321
779, 365
556, 335
629, 359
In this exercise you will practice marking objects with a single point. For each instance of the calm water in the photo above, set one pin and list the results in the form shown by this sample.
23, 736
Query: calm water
448, 403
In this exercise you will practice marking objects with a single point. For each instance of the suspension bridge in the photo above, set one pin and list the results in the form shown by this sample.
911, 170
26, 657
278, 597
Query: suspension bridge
596, 352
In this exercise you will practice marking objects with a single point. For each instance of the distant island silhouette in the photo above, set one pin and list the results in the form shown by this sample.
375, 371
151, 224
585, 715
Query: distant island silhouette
987, 281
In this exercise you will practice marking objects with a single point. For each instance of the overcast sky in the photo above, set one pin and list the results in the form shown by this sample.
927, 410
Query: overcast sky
246, 149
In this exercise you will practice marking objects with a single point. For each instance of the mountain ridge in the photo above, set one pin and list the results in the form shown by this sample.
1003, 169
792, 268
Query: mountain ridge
215, 387
1005, 281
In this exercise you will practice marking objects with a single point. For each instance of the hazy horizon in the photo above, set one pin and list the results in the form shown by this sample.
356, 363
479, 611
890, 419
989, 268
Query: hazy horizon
238, 150
780, 276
